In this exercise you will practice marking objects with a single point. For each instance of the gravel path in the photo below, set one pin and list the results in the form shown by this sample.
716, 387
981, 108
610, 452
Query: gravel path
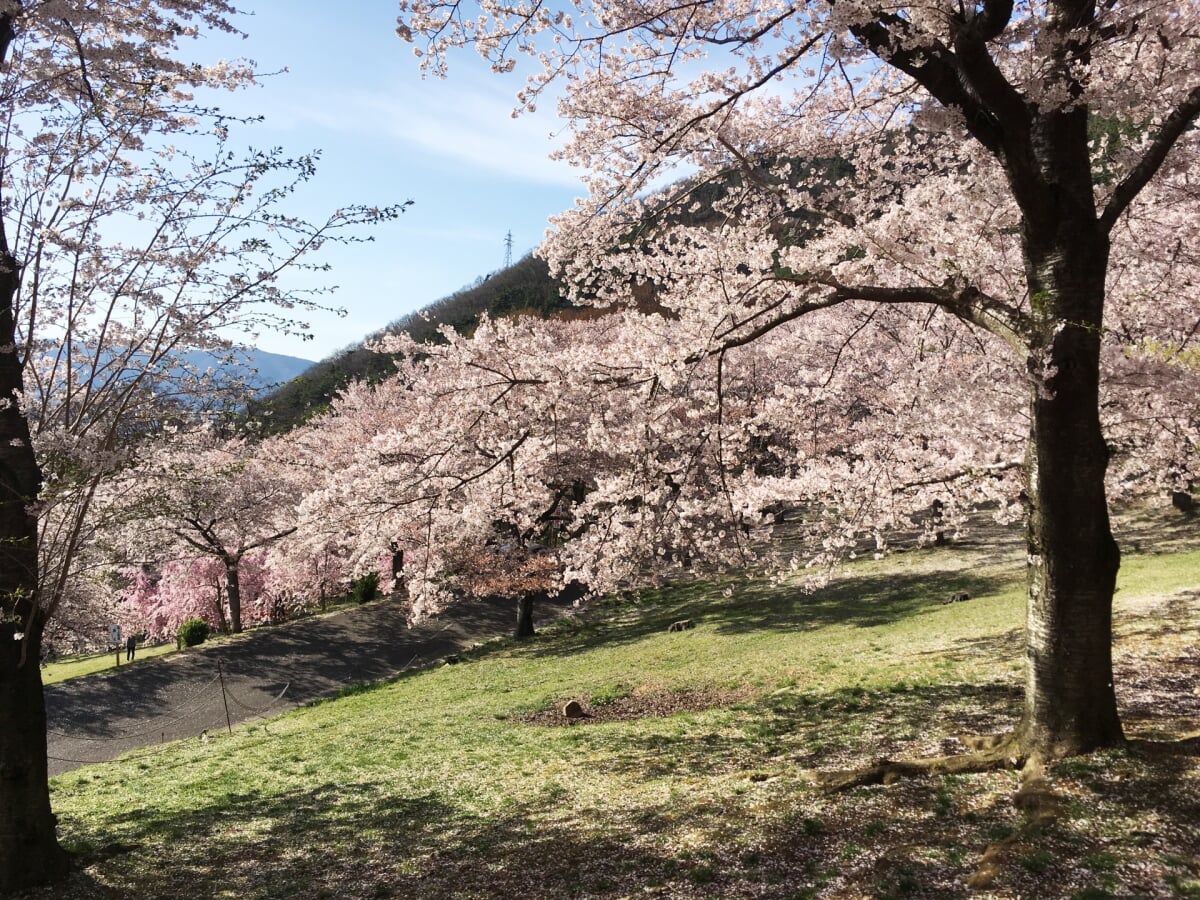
264, 672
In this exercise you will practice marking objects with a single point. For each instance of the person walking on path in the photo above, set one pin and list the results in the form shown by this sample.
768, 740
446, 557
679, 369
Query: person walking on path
130, 647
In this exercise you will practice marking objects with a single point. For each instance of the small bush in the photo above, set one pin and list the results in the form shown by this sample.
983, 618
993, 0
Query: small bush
365, 589
193, 632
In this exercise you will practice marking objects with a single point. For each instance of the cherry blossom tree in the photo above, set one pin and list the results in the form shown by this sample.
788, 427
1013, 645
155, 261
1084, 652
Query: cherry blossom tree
1021, 179
590, 439
198, 496
460, 465
130, 233
504, 570
345, 514
196, 587
299, 576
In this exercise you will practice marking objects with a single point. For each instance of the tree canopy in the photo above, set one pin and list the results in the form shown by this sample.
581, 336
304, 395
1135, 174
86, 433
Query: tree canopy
1014, 213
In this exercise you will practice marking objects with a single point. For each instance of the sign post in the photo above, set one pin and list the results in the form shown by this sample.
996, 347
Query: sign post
114, 638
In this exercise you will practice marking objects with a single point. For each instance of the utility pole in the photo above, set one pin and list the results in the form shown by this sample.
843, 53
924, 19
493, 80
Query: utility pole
508, 249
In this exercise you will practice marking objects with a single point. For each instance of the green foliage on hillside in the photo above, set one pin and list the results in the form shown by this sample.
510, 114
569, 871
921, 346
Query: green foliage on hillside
524, 288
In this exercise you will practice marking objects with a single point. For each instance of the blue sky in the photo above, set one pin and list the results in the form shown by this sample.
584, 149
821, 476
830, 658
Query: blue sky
354, 91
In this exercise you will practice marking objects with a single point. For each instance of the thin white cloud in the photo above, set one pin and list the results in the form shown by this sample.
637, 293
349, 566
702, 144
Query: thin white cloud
468, 121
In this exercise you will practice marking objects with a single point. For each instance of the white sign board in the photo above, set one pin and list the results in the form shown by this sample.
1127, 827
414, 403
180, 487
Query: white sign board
114, 634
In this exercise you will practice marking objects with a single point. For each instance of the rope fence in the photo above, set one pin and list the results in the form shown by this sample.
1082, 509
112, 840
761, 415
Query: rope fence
175, 714
184, 710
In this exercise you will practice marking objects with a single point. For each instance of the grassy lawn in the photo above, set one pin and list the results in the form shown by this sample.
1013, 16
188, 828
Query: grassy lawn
693, 775
79, 666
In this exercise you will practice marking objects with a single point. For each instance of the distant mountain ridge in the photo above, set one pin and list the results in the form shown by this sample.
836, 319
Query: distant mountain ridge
260, 369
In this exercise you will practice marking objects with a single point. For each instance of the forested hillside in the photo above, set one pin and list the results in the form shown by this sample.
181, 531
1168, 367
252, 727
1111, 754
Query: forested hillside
524, 287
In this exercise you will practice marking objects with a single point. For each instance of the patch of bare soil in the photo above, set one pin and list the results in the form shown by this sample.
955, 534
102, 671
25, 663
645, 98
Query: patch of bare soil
641, 704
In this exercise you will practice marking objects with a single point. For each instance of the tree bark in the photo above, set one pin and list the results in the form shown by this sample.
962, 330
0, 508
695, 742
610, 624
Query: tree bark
233, 588
525, 601
219, 608
1070, 704
29, 850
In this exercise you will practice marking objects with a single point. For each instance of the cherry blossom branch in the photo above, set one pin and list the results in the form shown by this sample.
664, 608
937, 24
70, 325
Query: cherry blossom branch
459, 482
966, 302
268, 539
931, 64
969, 472
84, 77
1176, 123
971, 37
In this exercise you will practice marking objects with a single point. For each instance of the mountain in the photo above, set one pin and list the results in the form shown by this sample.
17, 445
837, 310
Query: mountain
525, 287
260, 369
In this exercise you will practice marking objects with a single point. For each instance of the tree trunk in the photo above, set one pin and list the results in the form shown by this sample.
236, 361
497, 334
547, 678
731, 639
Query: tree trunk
233, 587
219, 610
398, 586
29, 851
525, 602
1070, 704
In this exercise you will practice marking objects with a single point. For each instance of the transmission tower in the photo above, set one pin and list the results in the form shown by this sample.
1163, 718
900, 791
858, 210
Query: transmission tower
508, 249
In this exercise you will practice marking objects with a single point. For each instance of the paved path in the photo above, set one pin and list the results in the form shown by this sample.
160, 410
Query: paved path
265, 672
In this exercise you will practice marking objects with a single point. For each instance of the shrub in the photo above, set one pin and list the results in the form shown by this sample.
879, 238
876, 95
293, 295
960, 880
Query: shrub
365, 588
193, 632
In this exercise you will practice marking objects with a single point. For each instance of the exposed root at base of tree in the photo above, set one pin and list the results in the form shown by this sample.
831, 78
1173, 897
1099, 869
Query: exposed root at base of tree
1039, 804
988, 754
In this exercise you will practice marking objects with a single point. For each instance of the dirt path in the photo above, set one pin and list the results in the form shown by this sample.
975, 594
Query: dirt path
257, 675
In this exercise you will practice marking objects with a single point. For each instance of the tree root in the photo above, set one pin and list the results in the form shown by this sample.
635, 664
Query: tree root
1040, 806
987, 755
1034, 798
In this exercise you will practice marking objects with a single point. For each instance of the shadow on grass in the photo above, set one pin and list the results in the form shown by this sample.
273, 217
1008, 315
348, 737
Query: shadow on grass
860, 602
358, 841
338, 842
1007, 646
765, 835
798, 730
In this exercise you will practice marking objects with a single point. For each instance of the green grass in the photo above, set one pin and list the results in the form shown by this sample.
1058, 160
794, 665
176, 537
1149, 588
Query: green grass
79, 666
445, 783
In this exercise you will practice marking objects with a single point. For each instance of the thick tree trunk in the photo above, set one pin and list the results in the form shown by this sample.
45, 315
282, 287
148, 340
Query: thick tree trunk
29, 851
1070, 704
233, 587
525, 601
